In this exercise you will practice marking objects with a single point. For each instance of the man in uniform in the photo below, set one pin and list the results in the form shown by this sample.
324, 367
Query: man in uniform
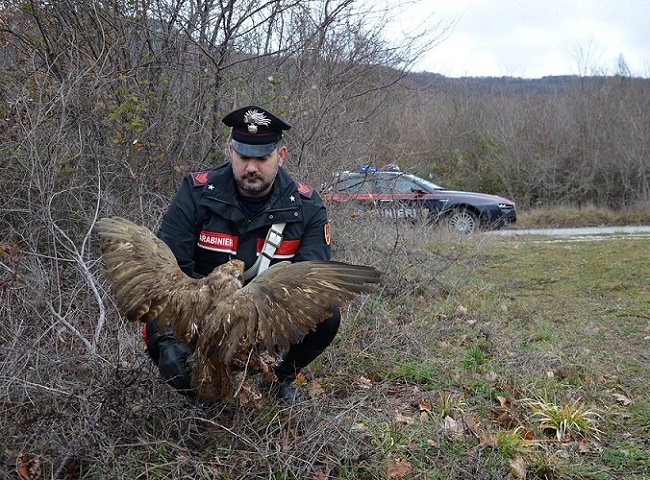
226, 213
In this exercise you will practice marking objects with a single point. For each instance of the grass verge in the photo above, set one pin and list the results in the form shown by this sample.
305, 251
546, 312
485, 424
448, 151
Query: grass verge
481, 357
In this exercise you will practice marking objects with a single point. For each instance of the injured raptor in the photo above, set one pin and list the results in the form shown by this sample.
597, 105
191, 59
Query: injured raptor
229, 327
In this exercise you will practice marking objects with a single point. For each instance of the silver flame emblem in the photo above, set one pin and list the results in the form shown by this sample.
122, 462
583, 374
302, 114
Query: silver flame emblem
254, 118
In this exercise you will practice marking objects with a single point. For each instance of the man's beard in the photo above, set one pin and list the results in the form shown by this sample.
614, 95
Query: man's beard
257, 188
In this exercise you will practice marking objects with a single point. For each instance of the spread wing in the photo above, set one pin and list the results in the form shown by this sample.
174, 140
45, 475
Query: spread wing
145, 278
283, 304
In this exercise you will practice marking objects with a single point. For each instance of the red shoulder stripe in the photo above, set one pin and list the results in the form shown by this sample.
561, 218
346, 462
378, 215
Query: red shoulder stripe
286, 249
199, 179
305, 190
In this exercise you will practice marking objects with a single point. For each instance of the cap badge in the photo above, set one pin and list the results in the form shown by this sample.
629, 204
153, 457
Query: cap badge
253, 119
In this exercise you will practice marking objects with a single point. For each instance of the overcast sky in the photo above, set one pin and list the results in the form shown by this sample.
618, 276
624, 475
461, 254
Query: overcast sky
535, 38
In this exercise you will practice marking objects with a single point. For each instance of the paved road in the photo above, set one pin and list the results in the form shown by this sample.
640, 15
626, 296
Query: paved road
577, 231
590, 233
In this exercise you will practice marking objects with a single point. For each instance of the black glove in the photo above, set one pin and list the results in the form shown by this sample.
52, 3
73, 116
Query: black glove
173, 363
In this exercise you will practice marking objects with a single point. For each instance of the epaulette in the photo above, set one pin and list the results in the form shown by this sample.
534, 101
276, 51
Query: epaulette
199, 179
305, 190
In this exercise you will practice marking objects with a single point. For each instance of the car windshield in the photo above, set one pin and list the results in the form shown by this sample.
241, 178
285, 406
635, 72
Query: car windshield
390, 183
355, 184
430, 186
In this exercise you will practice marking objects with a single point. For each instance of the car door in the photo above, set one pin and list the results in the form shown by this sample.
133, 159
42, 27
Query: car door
352, 194
428, 197
394, 197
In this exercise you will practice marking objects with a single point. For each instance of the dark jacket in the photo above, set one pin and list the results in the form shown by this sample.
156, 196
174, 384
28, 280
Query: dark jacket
205, 226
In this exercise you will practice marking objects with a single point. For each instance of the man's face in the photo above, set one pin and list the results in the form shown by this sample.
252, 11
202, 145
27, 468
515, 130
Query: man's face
255, 175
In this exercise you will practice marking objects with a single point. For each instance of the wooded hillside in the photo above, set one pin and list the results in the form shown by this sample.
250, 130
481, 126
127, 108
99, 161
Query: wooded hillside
123, 98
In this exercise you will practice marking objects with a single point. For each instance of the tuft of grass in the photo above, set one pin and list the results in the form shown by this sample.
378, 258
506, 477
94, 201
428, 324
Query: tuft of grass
511, 443
448, 404
568, 421
425, 373
475, 358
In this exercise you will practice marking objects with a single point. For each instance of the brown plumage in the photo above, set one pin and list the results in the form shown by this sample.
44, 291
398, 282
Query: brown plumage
227, 325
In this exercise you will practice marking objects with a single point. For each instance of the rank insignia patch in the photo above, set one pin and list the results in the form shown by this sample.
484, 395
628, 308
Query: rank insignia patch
199, 178
305, 190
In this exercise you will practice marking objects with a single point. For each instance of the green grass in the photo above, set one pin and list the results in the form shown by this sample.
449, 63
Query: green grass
433, 377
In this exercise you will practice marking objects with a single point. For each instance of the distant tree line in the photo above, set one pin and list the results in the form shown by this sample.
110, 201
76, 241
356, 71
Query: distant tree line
544, 142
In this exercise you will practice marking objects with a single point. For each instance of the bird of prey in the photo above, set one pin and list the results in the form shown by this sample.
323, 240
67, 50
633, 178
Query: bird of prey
229, 327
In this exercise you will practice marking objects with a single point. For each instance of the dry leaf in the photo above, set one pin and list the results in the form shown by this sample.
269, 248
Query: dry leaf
425, 406
488, 440
405, 419
28, 468
473, 423
359, 427
526, 434
362, 382
584, 447
398, 468
319, 475
22, 471
452, 428
300, 380
315, 389
542, 281
506, 420
244, 399
518, 468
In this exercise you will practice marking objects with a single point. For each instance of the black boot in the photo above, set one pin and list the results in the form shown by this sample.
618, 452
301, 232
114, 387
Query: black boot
295, 360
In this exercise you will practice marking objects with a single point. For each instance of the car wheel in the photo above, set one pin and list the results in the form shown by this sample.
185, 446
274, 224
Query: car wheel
462, 221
